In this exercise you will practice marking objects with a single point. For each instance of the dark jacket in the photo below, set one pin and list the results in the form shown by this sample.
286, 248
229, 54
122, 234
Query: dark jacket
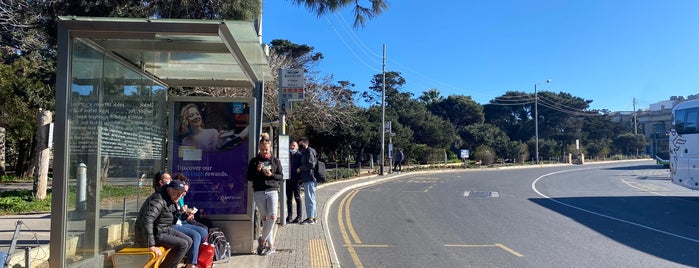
295, 160
260, 182
155, 216
309, 159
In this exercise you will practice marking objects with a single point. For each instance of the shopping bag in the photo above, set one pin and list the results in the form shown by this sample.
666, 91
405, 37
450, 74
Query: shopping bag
206, 255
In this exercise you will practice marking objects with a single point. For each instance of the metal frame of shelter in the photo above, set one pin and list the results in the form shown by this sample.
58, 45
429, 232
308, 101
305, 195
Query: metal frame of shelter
111, 105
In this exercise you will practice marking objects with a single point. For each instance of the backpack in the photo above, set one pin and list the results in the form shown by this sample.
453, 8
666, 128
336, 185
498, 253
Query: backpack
218, 240
319, 172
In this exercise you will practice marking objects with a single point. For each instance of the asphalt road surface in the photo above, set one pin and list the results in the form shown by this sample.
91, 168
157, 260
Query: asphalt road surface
625, 214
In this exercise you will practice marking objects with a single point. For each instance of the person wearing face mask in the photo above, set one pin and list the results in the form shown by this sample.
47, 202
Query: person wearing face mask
293, 189
265, 173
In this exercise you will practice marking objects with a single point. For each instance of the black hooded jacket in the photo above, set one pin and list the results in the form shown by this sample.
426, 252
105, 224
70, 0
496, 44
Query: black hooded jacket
260, 182
156, 215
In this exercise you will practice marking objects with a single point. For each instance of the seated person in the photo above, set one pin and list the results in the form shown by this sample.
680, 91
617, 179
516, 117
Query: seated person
187, 225
154, 225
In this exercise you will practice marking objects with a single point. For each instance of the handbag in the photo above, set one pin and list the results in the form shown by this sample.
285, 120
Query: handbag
206, 255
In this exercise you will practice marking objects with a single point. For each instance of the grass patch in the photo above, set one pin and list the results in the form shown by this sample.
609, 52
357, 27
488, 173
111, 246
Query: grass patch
23, 201
13, 178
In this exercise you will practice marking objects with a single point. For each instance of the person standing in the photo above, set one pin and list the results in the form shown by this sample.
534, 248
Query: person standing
154, 225
265, 173
397, 166
309, 159
293, 189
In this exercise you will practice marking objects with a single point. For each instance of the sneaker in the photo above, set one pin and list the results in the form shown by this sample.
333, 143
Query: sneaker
288, 220
268, 251
260, 247
297, 220
309, 221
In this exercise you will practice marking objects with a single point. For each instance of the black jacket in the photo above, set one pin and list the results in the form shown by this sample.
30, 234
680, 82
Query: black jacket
295, 161
260, 182
309, 159
156, 215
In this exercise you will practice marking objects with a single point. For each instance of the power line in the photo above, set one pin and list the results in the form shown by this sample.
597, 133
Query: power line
350, 48
374, 56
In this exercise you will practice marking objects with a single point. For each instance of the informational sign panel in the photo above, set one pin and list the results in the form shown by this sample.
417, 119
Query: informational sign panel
210, 145
292, 84
284, 155
464, 154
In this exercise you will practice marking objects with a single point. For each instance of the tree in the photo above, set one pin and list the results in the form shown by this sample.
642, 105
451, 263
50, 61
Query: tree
22, 94
361, 13
430, 97
459, 110
512, 113
629, 143
486, 134
294, 56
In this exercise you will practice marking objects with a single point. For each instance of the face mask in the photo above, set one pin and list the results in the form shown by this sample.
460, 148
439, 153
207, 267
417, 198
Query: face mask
293, 151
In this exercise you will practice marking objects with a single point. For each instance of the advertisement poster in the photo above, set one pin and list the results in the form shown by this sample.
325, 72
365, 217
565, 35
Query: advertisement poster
210, 146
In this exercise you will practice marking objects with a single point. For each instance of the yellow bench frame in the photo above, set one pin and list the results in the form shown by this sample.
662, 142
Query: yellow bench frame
130, 256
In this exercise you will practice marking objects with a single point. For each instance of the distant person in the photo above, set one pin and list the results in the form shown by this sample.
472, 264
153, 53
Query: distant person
187, 225
397, 166
160, 179
154, 225
265, 173
309, 159
293, 188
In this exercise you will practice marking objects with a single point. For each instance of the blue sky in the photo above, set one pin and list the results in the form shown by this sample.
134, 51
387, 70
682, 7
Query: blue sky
607, 51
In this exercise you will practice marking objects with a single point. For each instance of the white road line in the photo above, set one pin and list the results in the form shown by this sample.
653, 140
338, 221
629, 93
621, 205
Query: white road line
600, 214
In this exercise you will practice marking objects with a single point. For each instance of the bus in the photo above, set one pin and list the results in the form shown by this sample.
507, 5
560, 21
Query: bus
684, 145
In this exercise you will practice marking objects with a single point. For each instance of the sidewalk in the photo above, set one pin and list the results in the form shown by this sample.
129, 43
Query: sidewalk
297, 245
310, 245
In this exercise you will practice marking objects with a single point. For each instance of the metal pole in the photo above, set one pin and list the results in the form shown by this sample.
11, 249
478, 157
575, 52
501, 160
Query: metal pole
536, 119
536, 122
282, 124
383, 108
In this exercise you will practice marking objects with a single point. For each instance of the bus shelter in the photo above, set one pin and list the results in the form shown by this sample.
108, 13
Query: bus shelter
116, 126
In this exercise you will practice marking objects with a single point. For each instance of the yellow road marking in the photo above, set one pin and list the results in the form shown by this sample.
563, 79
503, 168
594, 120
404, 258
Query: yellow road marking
350, 228
509, 250
320, 257
498, 245
345, 236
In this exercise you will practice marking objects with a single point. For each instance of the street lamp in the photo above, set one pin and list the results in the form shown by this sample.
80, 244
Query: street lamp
536, 118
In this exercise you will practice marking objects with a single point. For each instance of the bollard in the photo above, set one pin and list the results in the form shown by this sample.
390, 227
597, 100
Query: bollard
81, 195
27, 255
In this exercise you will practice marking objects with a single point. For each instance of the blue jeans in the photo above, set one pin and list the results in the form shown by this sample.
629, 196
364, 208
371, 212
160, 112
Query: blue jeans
309, 193
197, 233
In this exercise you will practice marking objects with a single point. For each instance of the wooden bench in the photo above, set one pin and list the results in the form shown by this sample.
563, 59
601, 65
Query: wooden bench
138, 257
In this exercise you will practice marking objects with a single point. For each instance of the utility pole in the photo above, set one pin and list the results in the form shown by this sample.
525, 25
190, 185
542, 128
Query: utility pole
635, 122
383, 108
536, 119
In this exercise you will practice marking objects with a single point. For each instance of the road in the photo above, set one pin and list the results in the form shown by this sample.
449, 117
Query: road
603, 215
